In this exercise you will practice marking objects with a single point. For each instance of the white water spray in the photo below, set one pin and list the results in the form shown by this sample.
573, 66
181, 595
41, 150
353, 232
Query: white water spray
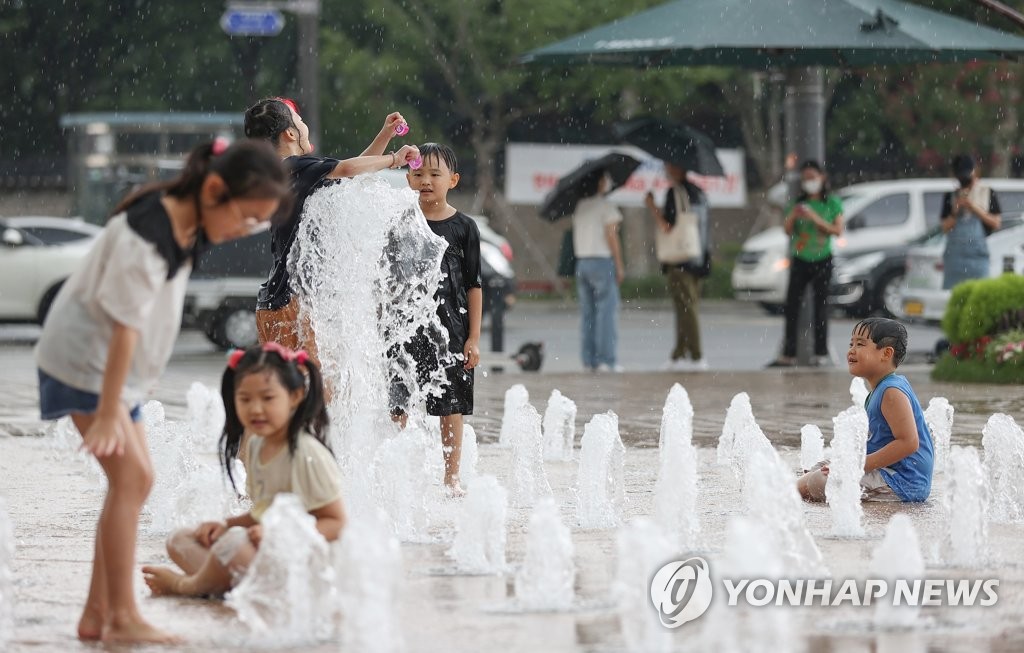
966, 504
675, 493
642, 549
285, 596
600, 481
546, 579
846, 468
559, 427
898, 557
515, 397
939, 418
529, 480
812, 446
6, 576
479, 545
1003, 441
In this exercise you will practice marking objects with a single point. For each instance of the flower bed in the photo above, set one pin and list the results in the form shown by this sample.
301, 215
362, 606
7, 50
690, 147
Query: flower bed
984, 323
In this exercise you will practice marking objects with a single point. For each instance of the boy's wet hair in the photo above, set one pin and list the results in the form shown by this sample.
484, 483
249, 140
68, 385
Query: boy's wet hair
885, 333
442, 152
269, 118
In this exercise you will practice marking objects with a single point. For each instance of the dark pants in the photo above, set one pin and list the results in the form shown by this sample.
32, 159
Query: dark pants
801, 273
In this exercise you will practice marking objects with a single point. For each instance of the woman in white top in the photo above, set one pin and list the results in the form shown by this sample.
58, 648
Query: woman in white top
599, 272
110, 332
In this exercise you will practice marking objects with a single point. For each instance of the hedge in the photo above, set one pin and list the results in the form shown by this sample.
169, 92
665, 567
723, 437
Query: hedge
983, 307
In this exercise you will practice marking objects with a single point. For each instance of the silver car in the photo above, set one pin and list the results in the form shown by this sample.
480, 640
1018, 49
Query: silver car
922, 296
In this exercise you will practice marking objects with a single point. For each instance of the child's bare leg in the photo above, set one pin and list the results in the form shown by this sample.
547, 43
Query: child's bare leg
812, 485
130, 477
186, 551
225, 561
90, 625
451, 446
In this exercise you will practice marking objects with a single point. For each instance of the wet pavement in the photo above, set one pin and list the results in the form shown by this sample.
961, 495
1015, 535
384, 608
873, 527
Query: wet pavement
53, 498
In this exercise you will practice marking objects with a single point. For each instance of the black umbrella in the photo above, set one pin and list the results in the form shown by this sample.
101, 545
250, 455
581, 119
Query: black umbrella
562, 200
678, 144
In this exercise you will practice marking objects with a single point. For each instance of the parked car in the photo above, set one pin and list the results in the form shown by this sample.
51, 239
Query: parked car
37, 256
221, 296
882, 218
922, 297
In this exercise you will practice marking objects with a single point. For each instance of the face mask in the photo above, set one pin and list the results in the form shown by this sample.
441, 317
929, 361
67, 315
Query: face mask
965, 181
811, 186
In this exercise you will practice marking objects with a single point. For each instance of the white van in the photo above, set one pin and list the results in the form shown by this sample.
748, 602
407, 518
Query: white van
882, 218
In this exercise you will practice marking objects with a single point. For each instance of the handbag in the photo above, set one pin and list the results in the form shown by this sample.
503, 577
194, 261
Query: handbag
682, 242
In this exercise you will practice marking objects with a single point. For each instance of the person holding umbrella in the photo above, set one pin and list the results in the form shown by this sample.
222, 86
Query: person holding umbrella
684, 279
595, 238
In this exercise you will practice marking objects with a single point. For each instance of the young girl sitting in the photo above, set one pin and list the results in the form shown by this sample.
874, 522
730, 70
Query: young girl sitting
110, 332
275, 397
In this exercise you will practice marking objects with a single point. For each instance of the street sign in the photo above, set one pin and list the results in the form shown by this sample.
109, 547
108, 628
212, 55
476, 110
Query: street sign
252, 22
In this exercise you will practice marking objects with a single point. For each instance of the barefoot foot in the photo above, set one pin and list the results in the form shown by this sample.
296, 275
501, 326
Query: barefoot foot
137, 631
90, 626
454, 490
163, 581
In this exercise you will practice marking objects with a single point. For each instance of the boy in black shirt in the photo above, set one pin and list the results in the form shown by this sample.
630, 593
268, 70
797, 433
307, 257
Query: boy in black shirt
460, 305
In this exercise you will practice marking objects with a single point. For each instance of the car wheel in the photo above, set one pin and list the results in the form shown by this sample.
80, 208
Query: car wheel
47, 301
773, 309
887, 297
233, 327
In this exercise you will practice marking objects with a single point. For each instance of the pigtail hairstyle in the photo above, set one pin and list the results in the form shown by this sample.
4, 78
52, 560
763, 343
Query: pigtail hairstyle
269, 118
250, 169
295, 371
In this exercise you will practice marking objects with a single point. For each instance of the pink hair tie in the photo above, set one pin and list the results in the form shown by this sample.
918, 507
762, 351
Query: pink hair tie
301, 357
234, 357
220, 144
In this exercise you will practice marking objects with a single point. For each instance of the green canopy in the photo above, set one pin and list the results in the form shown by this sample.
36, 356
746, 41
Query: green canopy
781, 33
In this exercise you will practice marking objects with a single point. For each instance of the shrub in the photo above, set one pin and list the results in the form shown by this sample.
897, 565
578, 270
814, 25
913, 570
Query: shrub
983, 307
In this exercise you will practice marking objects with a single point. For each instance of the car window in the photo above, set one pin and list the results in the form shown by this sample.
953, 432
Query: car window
54, 235
933, 209
1010, 202
886, 211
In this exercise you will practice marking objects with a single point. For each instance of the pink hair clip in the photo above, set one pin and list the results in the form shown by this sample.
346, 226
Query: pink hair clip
234, 357
220, 144
301, 357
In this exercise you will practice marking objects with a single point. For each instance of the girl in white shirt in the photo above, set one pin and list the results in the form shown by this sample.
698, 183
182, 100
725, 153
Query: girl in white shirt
110, 332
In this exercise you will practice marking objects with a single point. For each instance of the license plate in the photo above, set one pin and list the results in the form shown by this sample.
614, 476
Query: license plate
913, 308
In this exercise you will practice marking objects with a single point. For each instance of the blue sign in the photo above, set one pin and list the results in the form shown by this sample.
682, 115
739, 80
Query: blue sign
252, 22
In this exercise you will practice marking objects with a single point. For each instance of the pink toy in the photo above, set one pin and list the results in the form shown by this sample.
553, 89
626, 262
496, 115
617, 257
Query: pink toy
401, 129
416, 163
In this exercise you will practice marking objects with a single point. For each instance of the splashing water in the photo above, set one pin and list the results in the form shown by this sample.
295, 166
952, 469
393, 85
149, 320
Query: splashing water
747, 628
741, 436
368, 561
1003, 441
515, 397
897, 559
559, 427
529, 480
859, 391
773, 501
600, 481
185, 464
642, 549
846, 468
966, 504
939, 417
812, 446
470, 454
285, 598
403, 482
6, 576
479, 545
675, 493
365, 266
546, 579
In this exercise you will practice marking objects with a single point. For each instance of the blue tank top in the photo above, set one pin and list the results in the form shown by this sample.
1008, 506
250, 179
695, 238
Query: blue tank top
910, 478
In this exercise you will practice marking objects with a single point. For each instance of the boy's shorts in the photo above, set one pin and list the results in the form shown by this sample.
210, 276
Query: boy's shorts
872, 485
57, 399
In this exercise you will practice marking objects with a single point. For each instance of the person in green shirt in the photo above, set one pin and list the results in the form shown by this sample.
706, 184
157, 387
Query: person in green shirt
811, 222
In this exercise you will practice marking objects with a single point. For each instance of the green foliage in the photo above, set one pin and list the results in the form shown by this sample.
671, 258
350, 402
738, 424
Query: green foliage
977, 310
974, 370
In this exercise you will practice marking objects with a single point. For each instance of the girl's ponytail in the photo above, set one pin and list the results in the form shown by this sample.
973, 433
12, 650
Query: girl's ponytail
231, 438
311, 413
